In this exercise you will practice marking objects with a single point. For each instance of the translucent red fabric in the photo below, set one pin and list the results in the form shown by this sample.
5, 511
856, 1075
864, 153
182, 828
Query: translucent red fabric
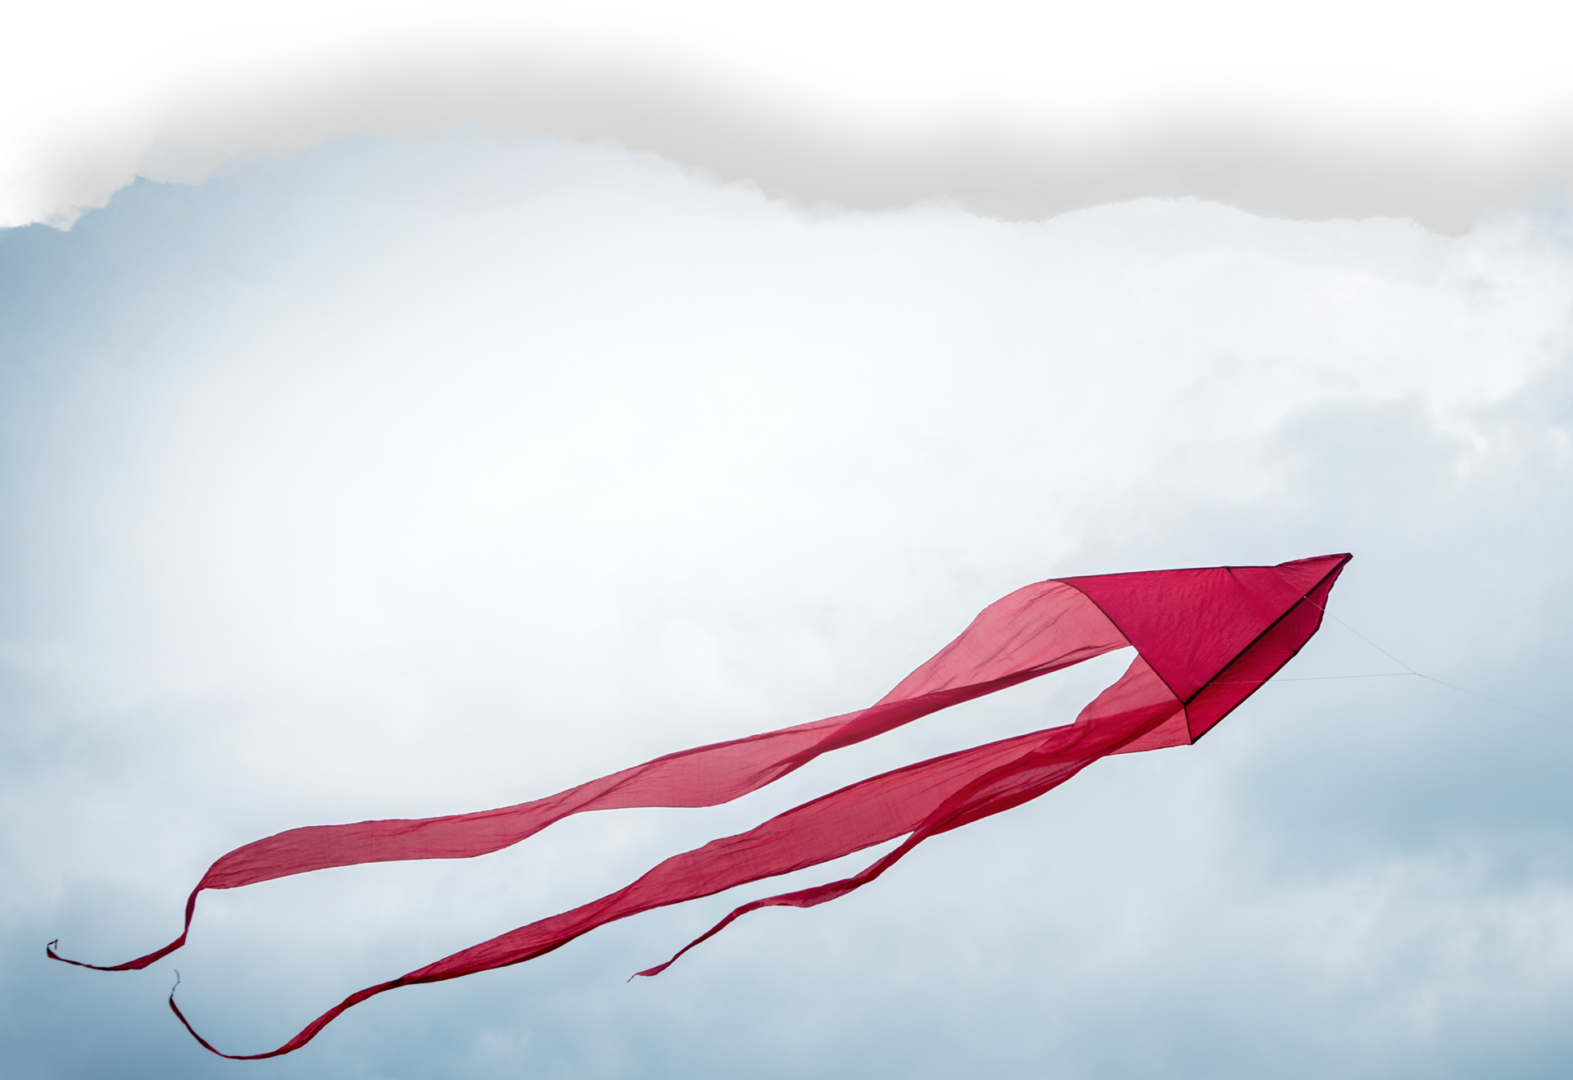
1205, 639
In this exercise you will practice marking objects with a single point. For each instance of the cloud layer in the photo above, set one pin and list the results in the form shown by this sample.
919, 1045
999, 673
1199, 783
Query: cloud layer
404, 479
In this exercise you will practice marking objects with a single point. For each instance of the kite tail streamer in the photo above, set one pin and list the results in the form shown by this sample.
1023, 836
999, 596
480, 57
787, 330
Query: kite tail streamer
1135, 709
142, 961
923, 799
1035, 630
943, 820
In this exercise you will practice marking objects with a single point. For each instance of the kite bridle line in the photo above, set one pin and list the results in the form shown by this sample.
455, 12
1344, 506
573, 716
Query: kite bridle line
1408, 672
1419, 675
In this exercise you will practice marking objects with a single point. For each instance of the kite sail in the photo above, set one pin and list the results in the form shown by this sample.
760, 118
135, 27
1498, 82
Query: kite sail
1205, 640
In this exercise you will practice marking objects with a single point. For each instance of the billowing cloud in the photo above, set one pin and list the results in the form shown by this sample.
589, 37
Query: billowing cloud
403, 478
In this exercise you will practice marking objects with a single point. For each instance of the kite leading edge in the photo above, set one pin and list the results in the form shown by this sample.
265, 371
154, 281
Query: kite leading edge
1205, 640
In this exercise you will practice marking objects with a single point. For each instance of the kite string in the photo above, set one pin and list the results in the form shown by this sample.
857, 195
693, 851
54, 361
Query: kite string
1422, 675
1369, 675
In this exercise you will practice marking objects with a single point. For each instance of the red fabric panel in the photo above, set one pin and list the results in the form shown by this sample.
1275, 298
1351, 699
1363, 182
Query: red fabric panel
1190, 623
1261, 660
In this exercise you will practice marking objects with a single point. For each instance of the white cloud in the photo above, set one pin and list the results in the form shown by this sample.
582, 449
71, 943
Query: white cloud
413, 478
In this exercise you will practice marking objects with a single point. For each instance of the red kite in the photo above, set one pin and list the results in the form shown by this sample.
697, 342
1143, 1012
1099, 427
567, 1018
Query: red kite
1205, 641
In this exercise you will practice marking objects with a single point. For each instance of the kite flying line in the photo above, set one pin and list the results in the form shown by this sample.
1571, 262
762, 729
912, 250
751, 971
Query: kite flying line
1205, 640
1410, 672
1442, 682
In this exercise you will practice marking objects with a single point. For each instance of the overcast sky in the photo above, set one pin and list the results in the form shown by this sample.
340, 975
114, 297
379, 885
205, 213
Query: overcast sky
672, 386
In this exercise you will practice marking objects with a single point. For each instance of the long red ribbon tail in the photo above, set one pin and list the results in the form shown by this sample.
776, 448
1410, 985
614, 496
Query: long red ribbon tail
1031, 775
924, 796
1035, 630
141, 961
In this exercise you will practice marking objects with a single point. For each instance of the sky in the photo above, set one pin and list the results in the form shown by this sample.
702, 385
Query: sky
421, 417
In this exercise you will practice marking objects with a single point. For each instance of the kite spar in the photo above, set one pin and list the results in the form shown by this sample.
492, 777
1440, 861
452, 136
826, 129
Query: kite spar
1205, 640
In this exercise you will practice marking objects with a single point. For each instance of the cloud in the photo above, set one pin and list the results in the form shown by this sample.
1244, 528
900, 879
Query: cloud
408, 478
1236, 156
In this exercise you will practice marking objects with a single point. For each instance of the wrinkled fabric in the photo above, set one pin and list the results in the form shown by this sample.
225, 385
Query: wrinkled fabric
1205, 640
